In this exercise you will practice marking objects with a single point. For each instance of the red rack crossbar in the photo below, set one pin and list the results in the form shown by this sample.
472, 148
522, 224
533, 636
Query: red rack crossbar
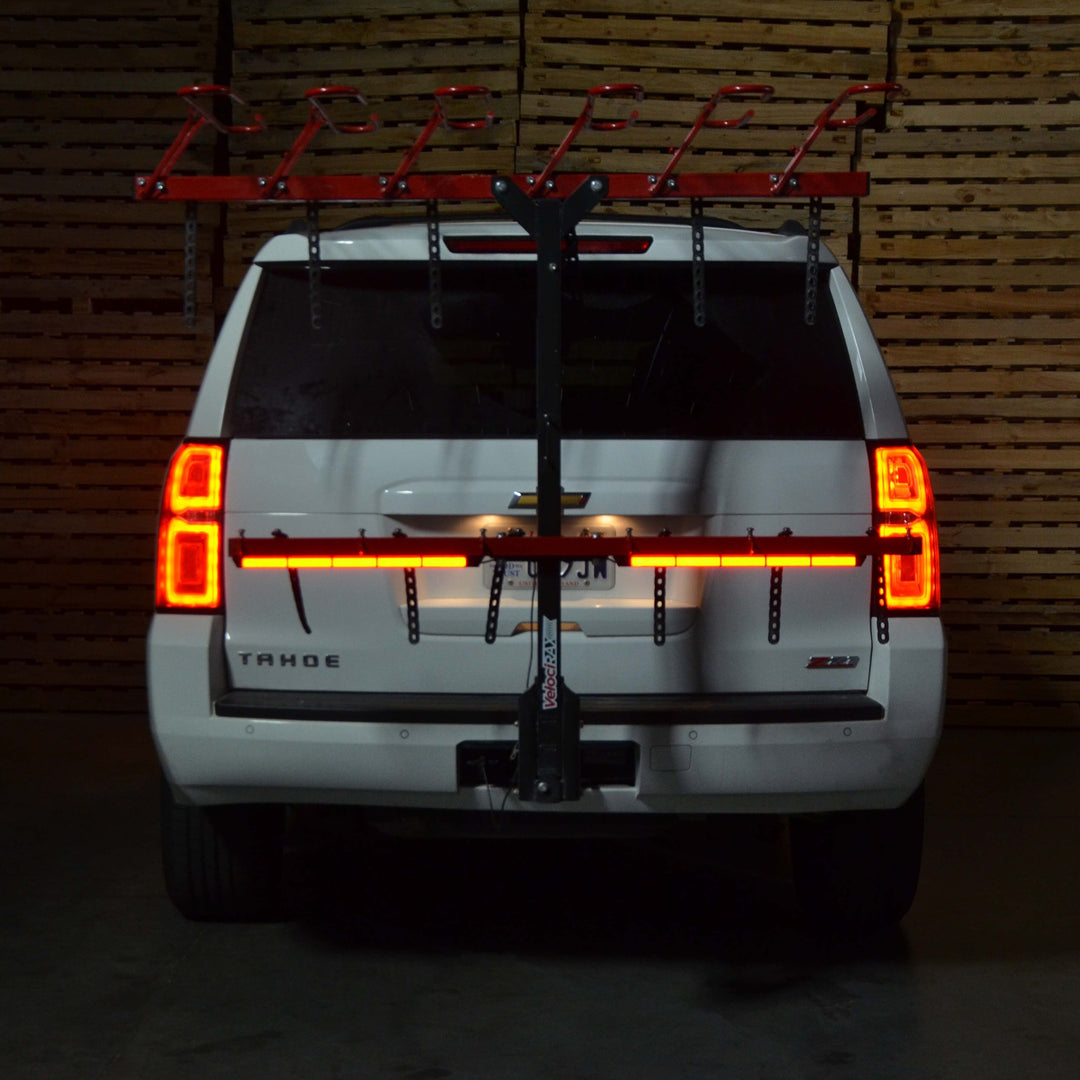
403, 185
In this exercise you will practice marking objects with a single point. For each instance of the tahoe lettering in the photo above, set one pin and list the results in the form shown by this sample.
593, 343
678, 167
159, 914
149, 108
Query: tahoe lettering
308, 660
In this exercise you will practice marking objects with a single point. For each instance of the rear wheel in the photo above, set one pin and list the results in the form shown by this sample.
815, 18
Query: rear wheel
857, 872
222, 863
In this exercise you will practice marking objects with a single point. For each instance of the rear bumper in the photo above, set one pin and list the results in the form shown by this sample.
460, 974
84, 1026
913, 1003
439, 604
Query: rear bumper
783, 753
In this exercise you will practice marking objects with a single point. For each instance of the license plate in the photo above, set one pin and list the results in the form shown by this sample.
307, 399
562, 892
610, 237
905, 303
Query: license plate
587, 574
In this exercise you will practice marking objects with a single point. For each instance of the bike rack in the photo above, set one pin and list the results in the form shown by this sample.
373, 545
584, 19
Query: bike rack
548, 206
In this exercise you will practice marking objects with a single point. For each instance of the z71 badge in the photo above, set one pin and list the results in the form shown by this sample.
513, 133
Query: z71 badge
819, 662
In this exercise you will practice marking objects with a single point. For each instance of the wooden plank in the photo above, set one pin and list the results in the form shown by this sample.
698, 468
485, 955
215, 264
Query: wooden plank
1011, 511
991, 302
966, 275
960, 61
365, 60
107, 400
1021, 537
332, 9
19, 422
989, 382
106, 625
1002, 88
984, 638
137, 80
690, 85
1015, 168
77, 474
1001, 249
199, 27
69, 675
1056, 715
936, 328
90, 374
988, 688
916, 11
106, 242
1050, 589
178, 351
113, 651
375, 86
1010, 486
974, 193
1034, 219
53, 700
986, 116
856, 11
84, 58
1024, 664
995, 145
373, 32
1009, 33
1039, 354
996, 432
115, 596
720, 28
54, 522
630, 58
124, 10
63, 451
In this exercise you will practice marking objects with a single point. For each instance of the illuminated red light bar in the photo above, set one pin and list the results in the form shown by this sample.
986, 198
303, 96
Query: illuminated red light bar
352, 562
700, 552
735, 561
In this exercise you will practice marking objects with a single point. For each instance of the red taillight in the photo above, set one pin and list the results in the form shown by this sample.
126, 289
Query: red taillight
189, 535
905, 503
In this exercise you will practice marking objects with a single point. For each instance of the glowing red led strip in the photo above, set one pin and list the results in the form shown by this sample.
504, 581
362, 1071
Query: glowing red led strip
352, 562
733, 561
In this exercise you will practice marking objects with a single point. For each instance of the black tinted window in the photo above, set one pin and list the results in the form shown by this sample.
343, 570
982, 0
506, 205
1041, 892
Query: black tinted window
635, 365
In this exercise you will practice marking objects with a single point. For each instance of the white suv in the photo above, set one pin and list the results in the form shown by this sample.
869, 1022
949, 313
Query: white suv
781, 658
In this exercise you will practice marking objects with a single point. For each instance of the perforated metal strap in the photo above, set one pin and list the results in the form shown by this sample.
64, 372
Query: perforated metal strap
491, 631
314, 266
412, 606
697, 239
776, 595
881, 611
434, 266
660, 605
191, 246
813, 260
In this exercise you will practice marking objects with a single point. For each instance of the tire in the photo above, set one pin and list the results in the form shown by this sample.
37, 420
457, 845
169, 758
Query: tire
857, 872
222, 863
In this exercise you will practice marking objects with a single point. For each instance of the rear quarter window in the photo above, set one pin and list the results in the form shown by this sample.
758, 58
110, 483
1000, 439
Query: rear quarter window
634, 363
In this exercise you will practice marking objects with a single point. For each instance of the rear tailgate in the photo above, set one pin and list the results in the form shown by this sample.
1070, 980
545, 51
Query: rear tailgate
718, 621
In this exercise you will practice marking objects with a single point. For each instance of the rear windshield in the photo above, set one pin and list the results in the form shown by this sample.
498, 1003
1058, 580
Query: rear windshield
634, 363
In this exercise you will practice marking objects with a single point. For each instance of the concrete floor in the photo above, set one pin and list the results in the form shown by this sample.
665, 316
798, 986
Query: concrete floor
459, 961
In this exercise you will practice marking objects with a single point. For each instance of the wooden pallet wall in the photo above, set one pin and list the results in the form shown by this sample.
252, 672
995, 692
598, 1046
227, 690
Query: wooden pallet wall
970, 262
681, 52
98, 371
396, 54
966, 254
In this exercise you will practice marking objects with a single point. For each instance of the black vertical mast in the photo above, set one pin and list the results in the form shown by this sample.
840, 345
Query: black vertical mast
548, 714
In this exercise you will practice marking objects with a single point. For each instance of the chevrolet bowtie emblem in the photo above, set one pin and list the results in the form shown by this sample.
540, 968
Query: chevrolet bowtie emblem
571, 500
